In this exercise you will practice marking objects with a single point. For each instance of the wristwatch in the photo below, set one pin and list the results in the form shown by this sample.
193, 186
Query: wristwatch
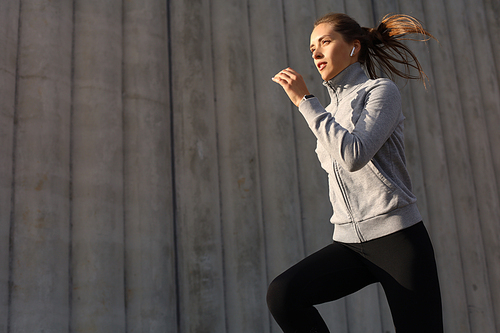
307, 97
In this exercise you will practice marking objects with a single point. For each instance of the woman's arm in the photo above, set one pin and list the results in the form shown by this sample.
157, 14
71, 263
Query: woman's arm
379, 118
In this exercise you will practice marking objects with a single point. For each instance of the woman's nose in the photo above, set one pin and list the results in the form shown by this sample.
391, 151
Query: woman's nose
316, 54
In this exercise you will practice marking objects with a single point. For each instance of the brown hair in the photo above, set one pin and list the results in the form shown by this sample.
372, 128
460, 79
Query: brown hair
381, 46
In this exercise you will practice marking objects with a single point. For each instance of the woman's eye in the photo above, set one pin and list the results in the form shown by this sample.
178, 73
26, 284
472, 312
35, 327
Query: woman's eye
326, 41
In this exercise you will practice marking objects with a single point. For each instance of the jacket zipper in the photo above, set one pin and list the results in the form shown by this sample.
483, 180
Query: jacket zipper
335, 92
339, 180
346, 200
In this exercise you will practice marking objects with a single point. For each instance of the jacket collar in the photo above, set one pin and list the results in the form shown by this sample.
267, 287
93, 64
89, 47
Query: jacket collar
343, 82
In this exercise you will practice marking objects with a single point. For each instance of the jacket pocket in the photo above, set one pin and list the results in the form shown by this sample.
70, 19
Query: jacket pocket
367, 192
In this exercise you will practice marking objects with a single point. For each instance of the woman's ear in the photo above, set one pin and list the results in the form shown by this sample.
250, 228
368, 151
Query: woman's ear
356, 47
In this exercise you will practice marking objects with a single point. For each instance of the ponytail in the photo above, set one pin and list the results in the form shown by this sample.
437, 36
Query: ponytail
381, 47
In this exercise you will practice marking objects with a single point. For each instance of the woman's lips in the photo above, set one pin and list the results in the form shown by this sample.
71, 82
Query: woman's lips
321, 66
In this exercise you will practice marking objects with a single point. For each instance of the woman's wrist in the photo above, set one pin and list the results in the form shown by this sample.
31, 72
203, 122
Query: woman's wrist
306, 97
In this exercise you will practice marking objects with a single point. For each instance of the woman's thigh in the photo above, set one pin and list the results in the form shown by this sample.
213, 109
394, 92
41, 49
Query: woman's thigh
404, 264
326, 275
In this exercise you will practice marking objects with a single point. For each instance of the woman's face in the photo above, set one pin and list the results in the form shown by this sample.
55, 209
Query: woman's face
330, 52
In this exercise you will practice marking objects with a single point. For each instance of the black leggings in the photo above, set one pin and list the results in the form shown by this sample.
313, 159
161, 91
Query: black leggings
402, 262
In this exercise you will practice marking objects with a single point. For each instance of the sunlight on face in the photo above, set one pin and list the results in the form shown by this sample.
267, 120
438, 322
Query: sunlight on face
330, 52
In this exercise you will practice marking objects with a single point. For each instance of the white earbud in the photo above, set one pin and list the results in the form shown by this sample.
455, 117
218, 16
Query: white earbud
352, 52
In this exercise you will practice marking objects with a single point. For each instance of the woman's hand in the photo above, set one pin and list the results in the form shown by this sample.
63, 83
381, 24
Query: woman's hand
293, 84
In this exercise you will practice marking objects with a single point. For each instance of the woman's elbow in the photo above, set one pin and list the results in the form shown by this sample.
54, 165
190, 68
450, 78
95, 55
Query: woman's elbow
353, 155
353, 163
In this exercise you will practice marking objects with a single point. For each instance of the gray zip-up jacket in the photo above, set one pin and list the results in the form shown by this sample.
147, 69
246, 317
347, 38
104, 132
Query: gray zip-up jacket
360, 145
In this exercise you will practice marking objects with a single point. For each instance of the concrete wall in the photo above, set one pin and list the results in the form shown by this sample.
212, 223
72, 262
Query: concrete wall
155, 179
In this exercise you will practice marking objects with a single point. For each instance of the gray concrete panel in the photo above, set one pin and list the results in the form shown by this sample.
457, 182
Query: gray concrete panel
241, 213
97, 262
198, 217
148, 190
40, 234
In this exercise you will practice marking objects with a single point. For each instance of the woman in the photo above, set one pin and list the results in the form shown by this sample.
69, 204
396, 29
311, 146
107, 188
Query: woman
379, 235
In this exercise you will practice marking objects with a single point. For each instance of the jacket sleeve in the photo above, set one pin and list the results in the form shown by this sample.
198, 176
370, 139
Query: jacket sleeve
379, 118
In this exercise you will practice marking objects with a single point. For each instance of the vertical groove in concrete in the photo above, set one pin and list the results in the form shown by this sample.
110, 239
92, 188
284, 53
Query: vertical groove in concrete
9, 29
70, 222
125, 155
175, 326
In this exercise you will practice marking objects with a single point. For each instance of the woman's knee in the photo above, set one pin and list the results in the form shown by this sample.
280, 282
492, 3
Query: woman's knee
278, 294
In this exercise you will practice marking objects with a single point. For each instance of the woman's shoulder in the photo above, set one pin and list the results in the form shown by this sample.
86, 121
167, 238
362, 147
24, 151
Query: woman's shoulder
381, 82
381, 86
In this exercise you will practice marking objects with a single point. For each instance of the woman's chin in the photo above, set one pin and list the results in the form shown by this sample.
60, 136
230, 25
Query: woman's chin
326, 77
